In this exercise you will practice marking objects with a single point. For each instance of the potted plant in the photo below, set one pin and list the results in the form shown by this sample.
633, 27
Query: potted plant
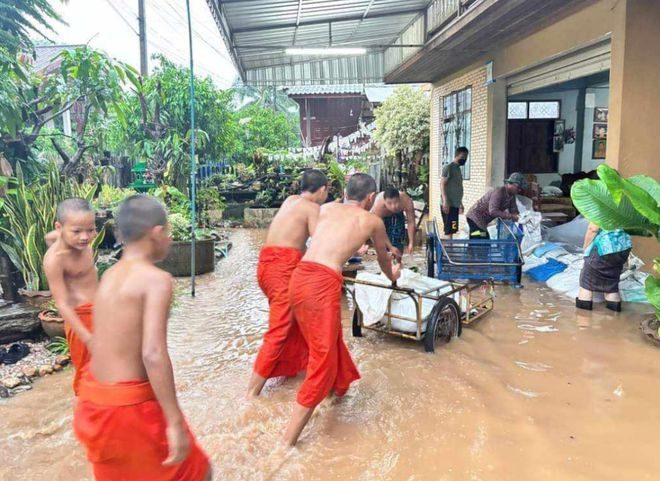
178, 261
632, 204
51, 322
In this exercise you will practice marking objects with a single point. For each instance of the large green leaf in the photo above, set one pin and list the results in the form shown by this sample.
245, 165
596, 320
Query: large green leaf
641, 200
594, 201
652, 290
649, 184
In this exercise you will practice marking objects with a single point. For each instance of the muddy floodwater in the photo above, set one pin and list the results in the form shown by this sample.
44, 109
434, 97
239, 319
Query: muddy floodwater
531, 392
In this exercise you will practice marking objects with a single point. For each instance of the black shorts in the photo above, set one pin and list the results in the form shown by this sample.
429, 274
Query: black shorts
477, 232
450, 221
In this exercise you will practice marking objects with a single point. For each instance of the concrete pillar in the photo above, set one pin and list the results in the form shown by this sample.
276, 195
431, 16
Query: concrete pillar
497, 119
633, 144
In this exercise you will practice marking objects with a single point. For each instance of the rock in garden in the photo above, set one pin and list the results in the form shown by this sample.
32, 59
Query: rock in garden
4, 392
57, 367
18, 321
62, 360
11, 382
23, 388
29, 371
45, 370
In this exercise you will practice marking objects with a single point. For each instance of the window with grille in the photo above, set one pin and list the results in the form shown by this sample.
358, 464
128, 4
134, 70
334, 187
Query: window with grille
457, 125
545, 109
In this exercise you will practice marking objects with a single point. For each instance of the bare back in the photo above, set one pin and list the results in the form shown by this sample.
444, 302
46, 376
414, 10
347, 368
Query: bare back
119, 312
341, 230
75, 269
294, 223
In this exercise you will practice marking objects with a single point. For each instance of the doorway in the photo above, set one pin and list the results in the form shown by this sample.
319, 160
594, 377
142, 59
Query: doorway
530, 146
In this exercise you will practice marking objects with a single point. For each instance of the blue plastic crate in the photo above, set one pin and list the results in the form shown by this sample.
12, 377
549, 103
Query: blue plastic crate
498, 259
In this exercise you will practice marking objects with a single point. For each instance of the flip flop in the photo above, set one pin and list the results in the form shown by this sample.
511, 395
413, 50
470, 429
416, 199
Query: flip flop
15, 353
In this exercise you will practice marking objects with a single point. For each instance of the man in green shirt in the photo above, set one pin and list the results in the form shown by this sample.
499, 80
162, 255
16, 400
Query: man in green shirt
451, 189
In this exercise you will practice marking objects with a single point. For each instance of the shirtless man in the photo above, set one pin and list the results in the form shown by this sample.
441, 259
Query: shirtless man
127, 414
315, 293
71, 273
284, 351
397, 209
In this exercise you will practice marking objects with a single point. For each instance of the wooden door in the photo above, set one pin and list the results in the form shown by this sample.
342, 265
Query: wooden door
529, 147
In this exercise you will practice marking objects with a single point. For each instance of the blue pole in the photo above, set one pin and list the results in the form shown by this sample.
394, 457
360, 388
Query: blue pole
193, 169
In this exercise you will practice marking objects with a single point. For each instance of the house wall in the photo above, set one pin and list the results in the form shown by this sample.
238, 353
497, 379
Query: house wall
329, 116
602, 100
476, 185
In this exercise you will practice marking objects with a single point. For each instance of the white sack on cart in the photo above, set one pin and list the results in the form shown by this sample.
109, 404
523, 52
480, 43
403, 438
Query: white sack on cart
372, 301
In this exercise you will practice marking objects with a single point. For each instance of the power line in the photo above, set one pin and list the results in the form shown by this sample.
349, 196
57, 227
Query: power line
118, 12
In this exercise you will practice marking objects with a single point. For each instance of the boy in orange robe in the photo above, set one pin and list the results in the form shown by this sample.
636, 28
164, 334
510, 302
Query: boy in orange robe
315, 293
71, 273
284, 351
127, 415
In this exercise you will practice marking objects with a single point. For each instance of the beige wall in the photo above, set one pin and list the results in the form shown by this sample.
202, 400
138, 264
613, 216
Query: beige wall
476, 185
633, 144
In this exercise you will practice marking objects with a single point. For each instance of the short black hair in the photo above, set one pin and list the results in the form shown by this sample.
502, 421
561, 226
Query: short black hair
74, 204
391, 193
313, 180
360, 186
461, 150
137, 214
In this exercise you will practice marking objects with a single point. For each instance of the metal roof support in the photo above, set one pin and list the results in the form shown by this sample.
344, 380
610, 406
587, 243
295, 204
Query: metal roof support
352, 18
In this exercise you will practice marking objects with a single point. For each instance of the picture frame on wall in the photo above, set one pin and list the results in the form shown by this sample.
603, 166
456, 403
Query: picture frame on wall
600, 115
560, 126
557, 143
599, 149
600, 131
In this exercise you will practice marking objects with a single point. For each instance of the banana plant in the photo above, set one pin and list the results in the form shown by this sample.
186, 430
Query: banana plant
29, 211
631, 204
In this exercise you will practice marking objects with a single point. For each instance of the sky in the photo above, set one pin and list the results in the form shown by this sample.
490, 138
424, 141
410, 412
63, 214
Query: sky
112, 26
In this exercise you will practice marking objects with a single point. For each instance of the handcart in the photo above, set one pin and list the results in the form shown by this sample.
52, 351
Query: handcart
495, 260
456, 305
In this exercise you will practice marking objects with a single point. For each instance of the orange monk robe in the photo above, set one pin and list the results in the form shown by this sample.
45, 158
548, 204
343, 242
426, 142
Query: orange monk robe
284, 351
122, 426
315, 293
78, 351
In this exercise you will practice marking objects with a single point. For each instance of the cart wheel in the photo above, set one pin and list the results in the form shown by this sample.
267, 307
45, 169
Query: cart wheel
443, 323
357, 328
430, 257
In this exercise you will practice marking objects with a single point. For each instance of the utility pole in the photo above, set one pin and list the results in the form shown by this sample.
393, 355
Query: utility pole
144, 68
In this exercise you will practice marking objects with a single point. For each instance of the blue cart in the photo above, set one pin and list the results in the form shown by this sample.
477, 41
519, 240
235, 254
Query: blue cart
496, 260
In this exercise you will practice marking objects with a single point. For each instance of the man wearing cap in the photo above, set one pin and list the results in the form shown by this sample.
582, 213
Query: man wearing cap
498, 203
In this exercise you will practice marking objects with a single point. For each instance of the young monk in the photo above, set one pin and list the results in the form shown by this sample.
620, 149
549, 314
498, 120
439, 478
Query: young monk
284, 351
71, 273
315, 293
127, 415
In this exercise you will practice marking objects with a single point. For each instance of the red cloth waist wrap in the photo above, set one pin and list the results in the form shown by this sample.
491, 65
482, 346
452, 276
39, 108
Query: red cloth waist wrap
315, 293
123, 429
284, 350
80, 356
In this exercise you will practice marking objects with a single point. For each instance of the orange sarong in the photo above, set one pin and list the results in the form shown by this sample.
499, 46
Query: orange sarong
284, 351
78, 351
122, 426
315, 293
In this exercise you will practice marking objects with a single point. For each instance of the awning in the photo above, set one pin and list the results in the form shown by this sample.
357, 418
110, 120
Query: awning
258, 31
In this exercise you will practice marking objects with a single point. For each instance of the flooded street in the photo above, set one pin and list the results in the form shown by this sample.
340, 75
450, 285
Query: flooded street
531, 392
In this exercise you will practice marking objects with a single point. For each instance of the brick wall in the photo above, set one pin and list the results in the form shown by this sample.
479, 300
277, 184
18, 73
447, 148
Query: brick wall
478, 183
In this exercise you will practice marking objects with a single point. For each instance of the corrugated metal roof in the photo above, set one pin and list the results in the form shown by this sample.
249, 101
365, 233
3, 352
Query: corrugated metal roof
326, 89
258, 31
45, 55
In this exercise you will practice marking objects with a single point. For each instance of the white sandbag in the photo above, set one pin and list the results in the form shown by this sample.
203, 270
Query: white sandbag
532, 238
531, 261
372, 301
572, 232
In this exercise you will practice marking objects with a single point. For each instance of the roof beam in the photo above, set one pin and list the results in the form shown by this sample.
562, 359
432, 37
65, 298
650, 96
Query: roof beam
324, 21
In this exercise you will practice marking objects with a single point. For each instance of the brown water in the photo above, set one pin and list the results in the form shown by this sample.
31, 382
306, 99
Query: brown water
532, 392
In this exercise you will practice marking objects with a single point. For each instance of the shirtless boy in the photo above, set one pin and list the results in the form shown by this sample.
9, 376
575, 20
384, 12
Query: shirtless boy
315, 293
397, 209
71, 273
284, 351
127, 414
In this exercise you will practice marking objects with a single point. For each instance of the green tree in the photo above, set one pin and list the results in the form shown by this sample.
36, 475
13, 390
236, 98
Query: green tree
21, 19
264, 129
402, 128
